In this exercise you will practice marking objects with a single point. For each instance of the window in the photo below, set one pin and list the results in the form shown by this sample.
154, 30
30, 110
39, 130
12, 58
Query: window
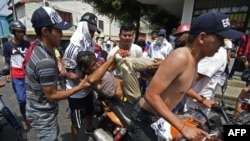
101, 25
66, 16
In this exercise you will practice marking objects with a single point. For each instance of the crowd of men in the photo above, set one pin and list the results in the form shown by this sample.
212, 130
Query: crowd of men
159, 77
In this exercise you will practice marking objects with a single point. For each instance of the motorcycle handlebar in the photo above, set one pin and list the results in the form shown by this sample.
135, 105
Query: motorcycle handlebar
219, 108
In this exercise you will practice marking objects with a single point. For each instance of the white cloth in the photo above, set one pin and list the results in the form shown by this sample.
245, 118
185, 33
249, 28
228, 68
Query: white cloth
160, 49
80, 41
228, 44
213, 69
162, 130
82, 38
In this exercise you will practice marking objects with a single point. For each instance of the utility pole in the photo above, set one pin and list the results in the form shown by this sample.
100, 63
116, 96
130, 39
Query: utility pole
14, 10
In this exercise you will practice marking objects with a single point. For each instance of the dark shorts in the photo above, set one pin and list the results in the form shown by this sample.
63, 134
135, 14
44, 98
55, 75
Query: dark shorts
80, 108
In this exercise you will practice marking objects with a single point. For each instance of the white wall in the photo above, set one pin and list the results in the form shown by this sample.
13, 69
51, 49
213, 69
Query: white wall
77, 8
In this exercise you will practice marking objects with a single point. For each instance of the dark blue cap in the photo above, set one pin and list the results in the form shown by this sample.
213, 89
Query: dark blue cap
162, 32
46, 16
217, 23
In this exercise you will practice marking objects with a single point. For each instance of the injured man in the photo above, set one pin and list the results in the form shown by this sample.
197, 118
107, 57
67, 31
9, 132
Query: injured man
105, 83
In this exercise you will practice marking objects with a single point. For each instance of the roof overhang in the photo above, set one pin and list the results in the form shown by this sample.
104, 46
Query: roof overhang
175, 7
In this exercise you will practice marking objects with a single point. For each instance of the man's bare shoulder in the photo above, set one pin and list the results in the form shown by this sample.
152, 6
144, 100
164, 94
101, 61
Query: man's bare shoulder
180, 54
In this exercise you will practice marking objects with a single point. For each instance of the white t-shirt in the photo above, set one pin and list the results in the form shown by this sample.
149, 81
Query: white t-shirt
213, 69
135, 52
69, 58
161, 52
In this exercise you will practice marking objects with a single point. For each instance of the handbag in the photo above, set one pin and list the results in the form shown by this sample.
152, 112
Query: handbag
245, 75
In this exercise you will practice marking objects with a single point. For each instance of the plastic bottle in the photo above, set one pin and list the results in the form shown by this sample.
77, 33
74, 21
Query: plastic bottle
120, 134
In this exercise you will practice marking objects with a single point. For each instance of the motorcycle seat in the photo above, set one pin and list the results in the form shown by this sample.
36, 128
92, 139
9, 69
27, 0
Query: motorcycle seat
123, 111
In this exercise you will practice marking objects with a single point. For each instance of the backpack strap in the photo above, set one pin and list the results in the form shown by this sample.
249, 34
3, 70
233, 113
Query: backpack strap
28, 54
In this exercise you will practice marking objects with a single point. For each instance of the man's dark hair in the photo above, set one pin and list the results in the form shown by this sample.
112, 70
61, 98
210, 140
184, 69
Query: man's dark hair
127, 27
84, 60
191, 38
154, 31
39, 30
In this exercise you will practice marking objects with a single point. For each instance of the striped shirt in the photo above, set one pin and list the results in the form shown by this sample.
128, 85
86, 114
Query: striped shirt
41, 71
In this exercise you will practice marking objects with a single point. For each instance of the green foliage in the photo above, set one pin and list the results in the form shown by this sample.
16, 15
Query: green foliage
132, 11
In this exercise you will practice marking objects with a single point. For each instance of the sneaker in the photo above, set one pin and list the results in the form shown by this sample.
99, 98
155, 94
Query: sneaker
89, 131
26, 122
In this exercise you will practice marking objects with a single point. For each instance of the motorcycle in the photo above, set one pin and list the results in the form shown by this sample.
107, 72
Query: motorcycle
114, 123
6, 112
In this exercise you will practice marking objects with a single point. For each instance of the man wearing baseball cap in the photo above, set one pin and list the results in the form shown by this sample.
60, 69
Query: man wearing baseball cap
92, 21
42, 74
80, 103
174, 78
214, 23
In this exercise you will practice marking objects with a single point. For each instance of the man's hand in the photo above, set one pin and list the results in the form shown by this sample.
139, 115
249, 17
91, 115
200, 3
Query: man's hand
208, 103
193, 133
243, 58
2, 84
84, 82
157, 63
8, 78
72, 76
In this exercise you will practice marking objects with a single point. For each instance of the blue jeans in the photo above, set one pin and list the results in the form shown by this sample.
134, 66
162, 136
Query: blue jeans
18, 86
45, 123
8, 115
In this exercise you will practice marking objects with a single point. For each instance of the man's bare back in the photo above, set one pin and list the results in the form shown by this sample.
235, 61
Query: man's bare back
172, 86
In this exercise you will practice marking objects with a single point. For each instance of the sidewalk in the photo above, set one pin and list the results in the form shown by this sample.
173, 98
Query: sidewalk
234, 87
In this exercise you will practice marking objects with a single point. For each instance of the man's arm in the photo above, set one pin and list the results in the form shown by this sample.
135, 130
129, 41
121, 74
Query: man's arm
95, 77
53, 95
206, 102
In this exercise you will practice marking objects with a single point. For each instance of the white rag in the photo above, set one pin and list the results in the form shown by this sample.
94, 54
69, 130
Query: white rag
162, 130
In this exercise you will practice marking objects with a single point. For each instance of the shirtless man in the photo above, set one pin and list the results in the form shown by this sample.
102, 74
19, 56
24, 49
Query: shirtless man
176, 75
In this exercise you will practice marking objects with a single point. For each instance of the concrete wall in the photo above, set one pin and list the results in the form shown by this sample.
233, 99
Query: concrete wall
77, 8
187, 11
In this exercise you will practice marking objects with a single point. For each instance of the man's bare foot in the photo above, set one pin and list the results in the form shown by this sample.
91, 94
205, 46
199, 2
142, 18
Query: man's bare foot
2, 84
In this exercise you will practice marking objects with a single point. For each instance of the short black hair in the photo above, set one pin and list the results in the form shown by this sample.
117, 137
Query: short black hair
39, 30
127, 27
154, 31
141, 43
83, 61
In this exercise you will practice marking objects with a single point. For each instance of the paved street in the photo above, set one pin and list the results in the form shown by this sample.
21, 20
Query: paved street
9, 134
